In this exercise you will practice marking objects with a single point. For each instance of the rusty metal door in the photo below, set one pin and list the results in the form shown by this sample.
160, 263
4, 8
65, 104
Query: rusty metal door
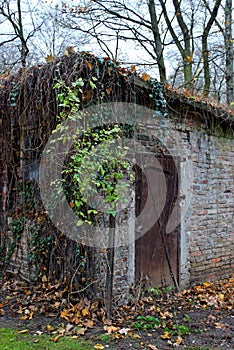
157, 252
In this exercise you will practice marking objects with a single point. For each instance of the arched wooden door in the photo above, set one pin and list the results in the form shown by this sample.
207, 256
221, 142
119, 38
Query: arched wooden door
157, 254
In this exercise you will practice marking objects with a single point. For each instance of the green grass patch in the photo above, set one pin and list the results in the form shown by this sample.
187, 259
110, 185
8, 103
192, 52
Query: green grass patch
10, 339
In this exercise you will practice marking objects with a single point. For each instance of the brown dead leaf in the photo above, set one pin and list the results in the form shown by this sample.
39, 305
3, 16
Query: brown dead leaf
65, 314
81, 331
23, 331
84, 312
111, 329
152, 347
89, 64
166, 335
220, 325
108, 90
98, 347
49, 58
89, 324
55, 339
136, 336
44, 279
179, 340
166, 314
2, 312
50, 328
69, 327
24, 318
87, 95
145, 77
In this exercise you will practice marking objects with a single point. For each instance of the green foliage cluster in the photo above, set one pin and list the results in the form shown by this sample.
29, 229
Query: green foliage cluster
97, 151
17, 228
151, 322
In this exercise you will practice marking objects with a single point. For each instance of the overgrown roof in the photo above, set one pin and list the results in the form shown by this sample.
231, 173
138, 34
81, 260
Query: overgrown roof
29, 93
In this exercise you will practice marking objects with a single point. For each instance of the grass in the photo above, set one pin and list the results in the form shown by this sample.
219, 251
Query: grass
10, 339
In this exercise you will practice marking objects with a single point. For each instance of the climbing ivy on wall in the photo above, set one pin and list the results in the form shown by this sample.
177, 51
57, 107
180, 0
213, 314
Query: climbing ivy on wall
34, 102
108, 167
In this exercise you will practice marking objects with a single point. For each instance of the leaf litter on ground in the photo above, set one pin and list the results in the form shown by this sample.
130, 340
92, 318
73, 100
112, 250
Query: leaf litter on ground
167, 313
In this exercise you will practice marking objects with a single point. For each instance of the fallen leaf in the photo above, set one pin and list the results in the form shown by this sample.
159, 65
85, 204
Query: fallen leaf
166, 335
24, 318
84, 312
136, 336
55, 339
23, 331
152, 347
179, 340
69, 327
38, 333
111, 329
44, 279
124, 331
2, 312
89, 324
81, 331
50, 328
65, 314
98, 347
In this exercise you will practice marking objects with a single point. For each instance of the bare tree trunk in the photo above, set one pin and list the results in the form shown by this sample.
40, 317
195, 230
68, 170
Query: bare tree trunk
229, 52
158, 42
188, 73
24, 48
185, 48
205, 49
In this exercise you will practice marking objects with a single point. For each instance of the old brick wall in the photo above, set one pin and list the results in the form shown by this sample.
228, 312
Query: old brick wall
207, 223
211, 224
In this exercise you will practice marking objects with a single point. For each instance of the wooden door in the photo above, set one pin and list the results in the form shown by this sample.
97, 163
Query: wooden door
158, 253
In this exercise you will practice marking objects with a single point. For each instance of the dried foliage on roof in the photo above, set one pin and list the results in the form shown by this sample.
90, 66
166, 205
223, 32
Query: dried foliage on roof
28, 95
206, 111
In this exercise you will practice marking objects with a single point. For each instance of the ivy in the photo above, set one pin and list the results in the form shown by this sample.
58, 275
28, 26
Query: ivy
157, 96
107, 163
17, 228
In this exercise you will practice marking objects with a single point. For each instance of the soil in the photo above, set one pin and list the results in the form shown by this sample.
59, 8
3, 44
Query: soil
206, 312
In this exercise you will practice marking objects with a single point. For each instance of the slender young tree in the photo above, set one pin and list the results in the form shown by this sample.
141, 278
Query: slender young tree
229, 52
205, 47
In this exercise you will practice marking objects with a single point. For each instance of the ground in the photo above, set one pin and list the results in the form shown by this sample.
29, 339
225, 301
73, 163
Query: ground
199, 318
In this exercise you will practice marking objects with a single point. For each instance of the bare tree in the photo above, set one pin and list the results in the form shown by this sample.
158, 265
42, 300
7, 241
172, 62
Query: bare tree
229, 52
159, 27
205, 49
11, 16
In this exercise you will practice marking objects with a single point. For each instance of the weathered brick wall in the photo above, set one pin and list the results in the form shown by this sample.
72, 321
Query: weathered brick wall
207, 224
211, 224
